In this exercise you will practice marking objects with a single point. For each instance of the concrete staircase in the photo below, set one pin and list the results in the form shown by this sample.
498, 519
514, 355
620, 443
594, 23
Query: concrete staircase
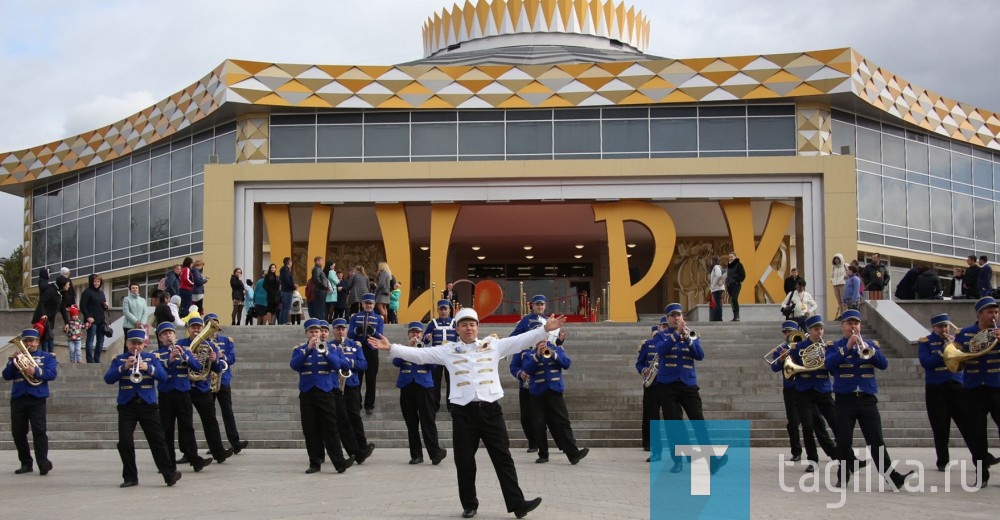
604, 392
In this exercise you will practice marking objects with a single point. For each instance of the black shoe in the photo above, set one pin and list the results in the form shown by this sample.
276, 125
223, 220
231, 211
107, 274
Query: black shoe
796, 458
240, 446
369, 411
654, 458
468, 513
347, 463
200, 465
184, 460
435, 460
811, 468
542, 459
716, 464
677, 467
44, 468
579, 456
645, 448
532, 449
862, 463
899, 479
527, 506
312, 469
23, 469
172, 479
942, 467
363, 456
417, 460
128, 484
993, 461
225, 456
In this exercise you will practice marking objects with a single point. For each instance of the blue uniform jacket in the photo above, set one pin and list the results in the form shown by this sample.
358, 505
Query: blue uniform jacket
677, 359
364, 324
46, 372
929, 350
355, 358
818, 380
177, 372
205, 385
779, 367
647, 349
316, 370
440, 330
516, 365
528, 322
546, 374
850, 372
413, 373
227, 349
127, 390
982, 371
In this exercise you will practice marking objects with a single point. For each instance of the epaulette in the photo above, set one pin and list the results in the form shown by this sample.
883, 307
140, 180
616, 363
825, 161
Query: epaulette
875, 342
923, 339
638, 350
829, 343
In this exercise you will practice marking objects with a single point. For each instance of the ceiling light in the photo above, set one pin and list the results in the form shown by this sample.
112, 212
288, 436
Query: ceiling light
527, 248
578, 256
579, 246
424, 248
481, 257
476, 248
630, 246
529, 257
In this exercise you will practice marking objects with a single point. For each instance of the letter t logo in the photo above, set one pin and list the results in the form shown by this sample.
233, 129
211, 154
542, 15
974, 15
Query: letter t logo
701, 472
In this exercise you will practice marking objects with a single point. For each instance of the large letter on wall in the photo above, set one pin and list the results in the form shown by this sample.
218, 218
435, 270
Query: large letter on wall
319, 234
756, 259
396, 239
279, 231
623, 294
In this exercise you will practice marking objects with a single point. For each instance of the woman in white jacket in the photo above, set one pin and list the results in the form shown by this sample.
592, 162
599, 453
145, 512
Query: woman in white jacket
717, 285
838, 276
802, 303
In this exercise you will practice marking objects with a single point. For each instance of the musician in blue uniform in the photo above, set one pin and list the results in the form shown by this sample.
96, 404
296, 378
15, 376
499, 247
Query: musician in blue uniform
201, 394
527, 322
350, 426
852, 361
317, 380
981, 379
788, 393
137, 404
813, 394
224, 397
365, 324
545, 365
174, 394
415, 401
943, 391
650, 412
27, 404
438, 331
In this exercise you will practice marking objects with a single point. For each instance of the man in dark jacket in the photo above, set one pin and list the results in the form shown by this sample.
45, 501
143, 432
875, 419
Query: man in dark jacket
970, 279
286, 285
928, 284
173, 281
985, 277
93, 306
876, 277
735, 274
905, 288
49, 306
792, 281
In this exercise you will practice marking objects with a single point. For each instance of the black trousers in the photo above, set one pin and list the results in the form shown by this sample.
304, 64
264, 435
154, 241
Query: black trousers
344, 429
318, 411
205, 404
470, 424
369, 377
524, 405
417, 405
794, 420
549, 410
813, 408
352, 397
439, 374
225, 399
175, 409
947, 402
677, 400
148, 417
25, 411
650, 412
983, 401
734, 298
861, 409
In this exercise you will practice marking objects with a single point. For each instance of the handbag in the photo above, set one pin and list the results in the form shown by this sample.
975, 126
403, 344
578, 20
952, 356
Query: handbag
786, 308
107, 330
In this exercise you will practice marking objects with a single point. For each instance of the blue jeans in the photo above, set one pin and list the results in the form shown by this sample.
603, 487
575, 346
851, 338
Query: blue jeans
95, 342
317, 307
286, 307
47, 345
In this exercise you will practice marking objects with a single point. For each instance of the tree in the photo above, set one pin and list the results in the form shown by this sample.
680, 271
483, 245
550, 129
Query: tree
12, 268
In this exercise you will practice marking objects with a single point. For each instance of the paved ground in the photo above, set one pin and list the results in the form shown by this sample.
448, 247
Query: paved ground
270, 484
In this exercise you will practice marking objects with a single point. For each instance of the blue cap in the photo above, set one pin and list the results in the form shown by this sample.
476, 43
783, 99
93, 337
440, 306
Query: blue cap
814, 320
212, 316
368, 297
654, 328
415, 325
538, 298
444, 303
672, 308
165, 326
136, 335
986, 302
195, 321
940, 319
311, 323
664, 320
323, 324
850, 314
29, 333
339, 322
789, 325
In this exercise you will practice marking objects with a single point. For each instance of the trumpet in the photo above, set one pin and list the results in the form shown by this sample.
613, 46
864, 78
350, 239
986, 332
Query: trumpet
546, 352
320, 347
688, 334
136, 376
864, 351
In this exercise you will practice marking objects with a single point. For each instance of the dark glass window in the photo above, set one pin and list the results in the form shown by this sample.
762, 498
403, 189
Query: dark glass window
140, 176
529, 138
340, 119
918, 207
982, 175
894, 201
529, 115
69, 250
387, 117
869, 197
722, 111
671, 112
577, 137
771, 133
722, 134
122, 182
53, 202
159, 218
180, 213
893, 151
940, 211
198, 208
38, 207
53, 246
625, 135
674, 135
292, 119
38, 248
180, 164
120, 225
916, 156
961, 168
962, 207
199, 155
939, 162
159, 170
339, 141
71, 195
87, 197
293, 141
225, 147
85, 237
139, 224
869, 145
435, 139
387, 140
577, 113
983, 215
102, 232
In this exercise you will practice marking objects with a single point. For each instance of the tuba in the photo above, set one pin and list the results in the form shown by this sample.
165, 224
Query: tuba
981, 344
25, 362
201, 350
813, 358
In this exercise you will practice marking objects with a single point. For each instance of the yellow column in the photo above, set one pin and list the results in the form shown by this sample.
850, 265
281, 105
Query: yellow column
756, 259
278, 222
319, 234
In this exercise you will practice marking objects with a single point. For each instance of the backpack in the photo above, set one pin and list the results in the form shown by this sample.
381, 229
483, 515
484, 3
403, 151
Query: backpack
311, 290
162, 284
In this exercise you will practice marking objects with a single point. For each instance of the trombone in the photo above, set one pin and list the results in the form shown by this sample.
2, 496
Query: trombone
775, 354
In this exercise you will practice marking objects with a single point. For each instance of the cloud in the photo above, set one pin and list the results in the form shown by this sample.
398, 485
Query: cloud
103, 110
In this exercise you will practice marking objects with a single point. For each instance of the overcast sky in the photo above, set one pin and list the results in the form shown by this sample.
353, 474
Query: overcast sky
69, 67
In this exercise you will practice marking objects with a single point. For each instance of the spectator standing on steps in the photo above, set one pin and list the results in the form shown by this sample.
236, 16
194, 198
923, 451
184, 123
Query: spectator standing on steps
735, 274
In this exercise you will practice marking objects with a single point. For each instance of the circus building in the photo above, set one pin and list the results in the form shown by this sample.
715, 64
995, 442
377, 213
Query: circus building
536, 145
